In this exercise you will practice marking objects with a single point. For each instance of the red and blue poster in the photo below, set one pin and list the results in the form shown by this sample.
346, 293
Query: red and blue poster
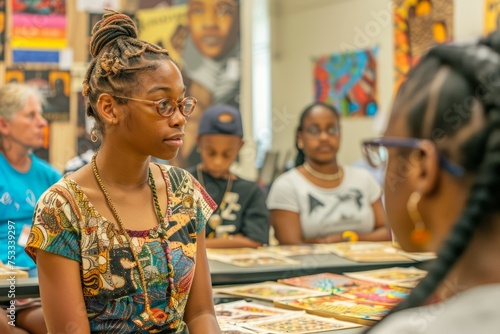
348, 81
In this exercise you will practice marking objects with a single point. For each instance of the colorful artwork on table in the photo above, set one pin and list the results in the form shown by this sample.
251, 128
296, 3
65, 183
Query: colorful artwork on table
491, 15
298, 324
338, 307
326, 282
269, 291
418, 25
377, 294
250, 258
348, 81
397, 276
54, 85
242, 311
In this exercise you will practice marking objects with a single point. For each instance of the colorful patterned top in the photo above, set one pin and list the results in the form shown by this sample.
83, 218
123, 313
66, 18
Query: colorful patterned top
66, 223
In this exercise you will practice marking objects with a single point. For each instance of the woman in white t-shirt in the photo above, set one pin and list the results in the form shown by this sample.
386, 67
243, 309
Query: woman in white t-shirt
319, 201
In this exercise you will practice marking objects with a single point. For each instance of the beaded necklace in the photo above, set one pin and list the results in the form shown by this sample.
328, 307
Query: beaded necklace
322, 176
159, 232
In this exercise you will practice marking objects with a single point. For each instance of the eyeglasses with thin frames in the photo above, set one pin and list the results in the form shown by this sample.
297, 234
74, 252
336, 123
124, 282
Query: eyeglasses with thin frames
376, 153
167, 106
315, 131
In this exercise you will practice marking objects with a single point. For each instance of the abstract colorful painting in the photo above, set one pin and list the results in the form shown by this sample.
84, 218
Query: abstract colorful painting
419, 24
348, 81
491, 15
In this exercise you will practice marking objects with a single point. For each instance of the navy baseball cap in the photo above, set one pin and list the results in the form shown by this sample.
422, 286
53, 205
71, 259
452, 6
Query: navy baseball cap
221, 119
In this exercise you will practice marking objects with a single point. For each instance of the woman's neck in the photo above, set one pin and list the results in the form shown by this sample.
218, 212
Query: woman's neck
17, 157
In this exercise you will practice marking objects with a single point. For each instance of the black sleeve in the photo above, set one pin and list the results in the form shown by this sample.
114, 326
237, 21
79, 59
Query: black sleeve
256, 216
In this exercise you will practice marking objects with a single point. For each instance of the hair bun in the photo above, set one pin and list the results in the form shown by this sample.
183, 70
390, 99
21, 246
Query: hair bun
113, 25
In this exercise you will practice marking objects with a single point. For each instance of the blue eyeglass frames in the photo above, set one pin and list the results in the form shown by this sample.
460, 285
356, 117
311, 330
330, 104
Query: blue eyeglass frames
375, 152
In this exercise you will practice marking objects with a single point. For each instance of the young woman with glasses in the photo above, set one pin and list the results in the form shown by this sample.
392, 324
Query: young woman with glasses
442, 188
320, 201
120, 243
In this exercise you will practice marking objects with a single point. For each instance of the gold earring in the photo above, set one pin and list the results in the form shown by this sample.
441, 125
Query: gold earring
94, 137
420, 235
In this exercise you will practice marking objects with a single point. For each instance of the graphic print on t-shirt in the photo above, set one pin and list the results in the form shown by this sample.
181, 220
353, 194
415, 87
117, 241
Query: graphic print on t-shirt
313, 203
343, 208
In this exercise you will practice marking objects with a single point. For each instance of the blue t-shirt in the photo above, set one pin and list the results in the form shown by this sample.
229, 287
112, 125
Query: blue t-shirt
19, 193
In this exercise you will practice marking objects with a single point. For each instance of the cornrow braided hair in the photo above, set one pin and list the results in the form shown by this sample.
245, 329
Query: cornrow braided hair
300, 158
479, 67
118, 56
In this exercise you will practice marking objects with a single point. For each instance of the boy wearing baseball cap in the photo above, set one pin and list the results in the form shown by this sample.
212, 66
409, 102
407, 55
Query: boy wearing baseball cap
242, 218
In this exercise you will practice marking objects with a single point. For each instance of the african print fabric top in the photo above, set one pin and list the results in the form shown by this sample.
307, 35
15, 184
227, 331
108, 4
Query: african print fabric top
66, 223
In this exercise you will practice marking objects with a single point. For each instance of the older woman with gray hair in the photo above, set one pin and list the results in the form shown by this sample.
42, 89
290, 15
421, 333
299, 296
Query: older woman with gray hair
23, 178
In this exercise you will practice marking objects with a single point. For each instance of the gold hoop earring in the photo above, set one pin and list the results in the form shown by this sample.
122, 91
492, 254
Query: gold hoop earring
420, 235
94, 136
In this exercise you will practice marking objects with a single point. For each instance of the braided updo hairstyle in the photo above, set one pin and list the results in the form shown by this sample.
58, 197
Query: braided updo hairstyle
473, 77
300, 158
117, 58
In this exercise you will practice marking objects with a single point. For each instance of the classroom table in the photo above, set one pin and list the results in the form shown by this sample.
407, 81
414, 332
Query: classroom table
227, 274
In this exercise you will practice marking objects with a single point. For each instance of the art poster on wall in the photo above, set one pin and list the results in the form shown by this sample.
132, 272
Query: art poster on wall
54, 85
38, 30
208, 54
419, 24
2, 30
491, 15
348, 81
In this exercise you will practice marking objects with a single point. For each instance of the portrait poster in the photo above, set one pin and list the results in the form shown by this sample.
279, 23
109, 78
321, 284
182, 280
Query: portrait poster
348, 81
53, 84
39, 24
208, 55
491, 15
418, 25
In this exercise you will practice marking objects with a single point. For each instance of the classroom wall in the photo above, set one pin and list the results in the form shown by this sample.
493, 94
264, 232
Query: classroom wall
303, 30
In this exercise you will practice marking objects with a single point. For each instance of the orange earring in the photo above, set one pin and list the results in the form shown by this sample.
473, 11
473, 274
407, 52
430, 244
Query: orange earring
420, 235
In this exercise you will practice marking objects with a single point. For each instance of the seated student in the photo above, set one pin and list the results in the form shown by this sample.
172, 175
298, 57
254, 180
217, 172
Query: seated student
319, 201
242, 218
446, 122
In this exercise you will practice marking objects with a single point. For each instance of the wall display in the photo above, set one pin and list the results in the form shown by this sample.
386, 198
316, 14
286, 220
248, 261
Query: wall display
491, 15
2, 30
54, 85
38, 26
348, 81
419, 24
204, 38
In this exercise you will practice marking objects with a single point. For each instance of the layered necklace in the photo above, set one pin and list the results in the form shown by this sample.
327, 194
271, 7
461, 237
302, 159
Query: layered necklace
216, 219
159, 232
322, 176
